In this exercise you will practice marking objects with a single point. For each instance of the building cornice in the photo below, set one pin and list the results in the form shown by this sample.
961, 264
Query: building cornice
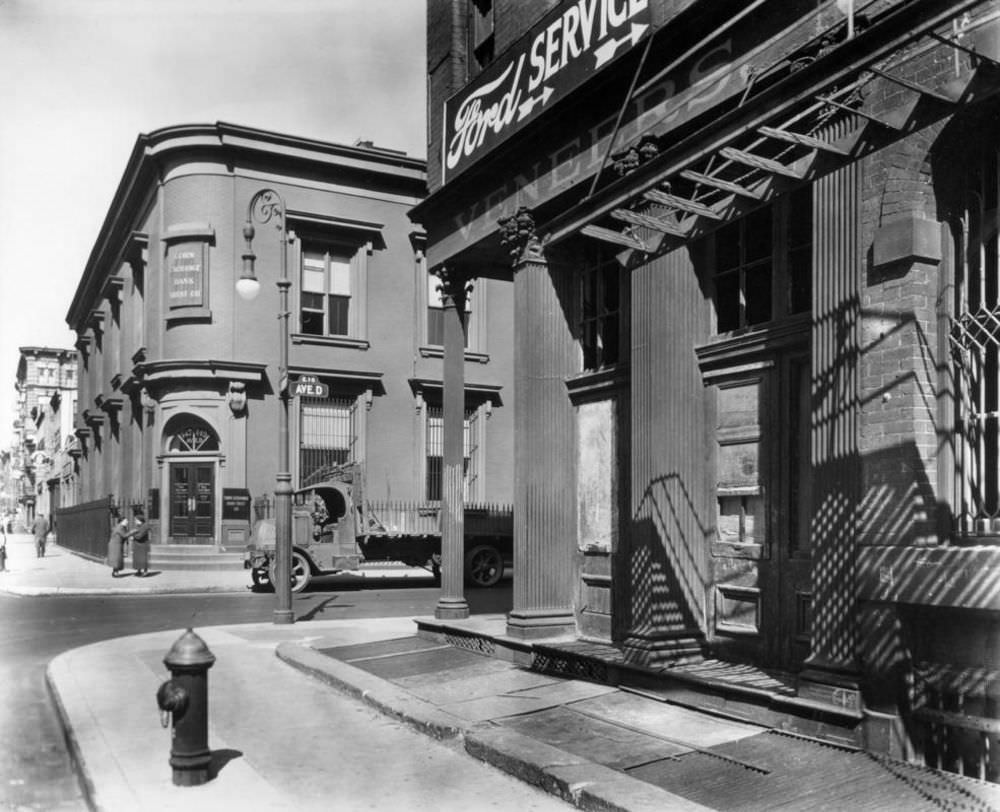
116, 241
150, 372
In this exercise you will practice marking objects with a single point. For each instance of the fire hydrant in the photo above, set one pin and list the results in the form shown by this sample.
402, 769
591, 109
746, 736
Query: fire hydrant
185, 698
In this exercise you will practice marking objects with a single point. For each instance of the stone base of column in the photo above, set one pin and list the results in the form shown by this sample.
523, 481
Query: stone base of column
533, 624
451, 609
835, 685
660, 648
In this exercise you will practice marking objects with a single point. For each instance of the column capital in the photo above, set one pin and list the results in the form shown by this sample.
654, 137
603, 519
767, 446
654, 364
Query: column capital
455, 284
518, 236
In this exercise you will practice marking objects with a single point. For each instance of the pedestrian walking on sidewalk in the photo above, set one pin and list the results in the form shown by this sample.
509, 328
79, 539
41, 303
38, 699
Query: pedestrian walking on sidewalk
40, 529
140, 547
3, 543
116, 547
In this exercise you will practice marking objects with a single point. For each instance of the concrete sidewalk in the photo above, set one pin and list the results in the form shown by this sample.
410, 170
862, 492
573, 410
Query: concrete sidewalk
281, 734
63, 572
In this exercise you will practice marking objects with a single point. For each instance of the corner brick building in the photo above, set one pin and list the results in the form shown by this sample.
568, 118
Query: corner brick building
754, 252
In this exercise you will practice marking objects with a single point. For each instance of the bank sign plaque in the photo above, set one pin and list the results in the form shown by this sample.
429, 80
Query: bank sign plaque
568, 45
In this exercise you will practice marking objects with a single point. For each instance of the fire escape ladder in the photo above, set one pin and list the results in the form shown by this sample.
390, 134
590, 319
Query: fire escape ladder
681, 203
720, 184
802, 140
759, 162
616, 237
648, 221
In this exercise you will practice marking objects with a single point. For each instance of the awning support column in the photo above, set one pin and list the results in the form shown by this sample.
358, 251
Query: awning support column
452, 604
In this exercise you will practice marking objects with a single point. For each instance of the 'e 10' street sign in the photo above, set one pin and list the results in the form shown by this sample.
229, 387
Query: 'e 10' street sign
309, 386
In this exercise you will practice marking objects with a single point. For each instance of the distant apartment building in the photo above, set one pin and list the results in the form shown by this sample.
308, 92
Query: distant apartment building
180, 387
43, 474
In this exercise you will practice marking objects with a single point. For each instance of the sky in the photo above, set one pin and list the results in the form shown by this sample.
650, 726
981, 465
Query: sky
81, 79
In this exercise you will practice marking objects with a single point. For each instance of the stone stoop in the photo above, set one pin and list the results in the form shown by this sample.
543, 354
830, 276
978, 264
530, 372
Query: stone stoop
192, 557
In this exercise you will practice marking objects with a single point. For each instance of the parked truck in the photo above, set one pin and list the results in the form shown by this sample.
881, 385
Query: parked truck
335, 528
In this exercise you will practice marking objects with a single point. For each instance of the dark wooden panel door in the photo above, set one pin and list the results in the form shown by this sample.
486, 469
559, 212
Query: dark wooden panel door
192, 502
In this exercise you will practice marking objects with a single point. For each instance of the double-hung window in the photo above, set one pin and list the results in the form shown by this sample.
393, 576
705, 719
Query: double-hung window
326, 295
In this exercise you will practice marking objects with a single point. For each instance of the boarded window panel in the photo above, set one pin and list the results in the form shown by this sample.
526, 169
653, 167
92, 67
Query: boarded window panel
739, 408
739, 466
729, 524
737, 609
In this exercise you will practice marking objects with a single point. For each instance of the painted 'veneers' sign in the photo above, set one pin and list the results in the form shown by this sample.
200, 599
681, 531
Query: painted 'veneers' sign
568, 45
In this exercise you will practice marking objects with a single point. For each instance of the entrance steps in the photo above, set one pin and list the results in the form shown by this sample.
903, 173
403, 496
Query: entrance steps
193, 557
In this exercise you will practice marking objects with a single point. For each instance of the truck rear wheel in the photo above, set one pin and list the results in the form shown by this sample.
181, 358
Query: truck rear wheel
483, 565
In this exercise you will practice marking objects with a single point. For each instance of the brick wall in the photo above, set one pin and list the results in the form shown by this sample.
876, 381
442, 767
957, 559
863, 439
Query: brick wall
900, 320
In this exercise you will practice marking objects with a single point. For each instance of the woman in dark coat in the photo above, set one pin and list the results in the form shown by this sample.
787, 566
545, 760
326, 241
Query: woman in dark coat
116, 547
140, 547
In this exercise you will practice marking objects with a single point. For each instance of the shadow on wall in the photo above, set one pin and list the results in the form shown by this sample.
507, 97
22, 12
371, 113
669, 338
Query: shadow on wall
667, 562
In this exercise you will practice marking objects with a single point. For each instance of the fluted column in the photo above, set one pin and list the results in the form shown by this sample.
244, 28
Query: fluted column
544, 452
454, 291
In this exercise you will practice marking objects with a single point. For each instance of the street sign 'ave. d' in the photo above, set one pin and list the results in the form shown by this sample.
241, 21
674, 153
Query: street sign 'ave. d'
567, 46
309, 386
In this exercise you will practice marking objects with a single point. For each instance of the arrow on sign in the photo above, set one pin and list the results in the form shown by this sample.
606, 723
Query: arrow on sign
606, 52
526, 108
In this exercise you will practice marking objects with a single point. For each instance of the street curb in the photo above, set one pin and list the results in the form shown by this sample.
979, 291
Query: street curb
375, 691
585, 784
62, 591
84, 778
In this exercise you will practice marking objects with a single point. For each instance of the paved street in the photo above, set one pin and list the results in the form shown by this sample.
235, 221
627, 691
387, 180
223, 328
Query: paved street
35, 768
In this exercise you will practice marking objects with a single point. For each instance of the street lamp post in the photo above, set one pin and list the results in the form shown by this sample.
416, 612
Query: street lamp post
265, 207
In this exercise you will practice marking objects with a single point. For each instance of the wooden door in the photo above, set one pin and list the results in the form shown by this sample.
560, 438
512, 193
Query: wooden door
760, 560
192, 502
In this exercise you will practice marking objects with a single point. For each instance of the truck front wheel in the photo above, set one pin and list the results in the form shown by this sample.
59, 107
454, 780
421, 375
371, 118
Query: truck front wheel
301, 573
483, 565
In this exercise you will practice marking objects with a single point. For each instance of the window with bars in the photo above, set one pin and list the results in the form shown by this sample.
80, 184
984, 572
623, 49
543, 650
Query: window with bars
435, 454
600, 313
975, 350
327, 434
325, 291
435, 313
